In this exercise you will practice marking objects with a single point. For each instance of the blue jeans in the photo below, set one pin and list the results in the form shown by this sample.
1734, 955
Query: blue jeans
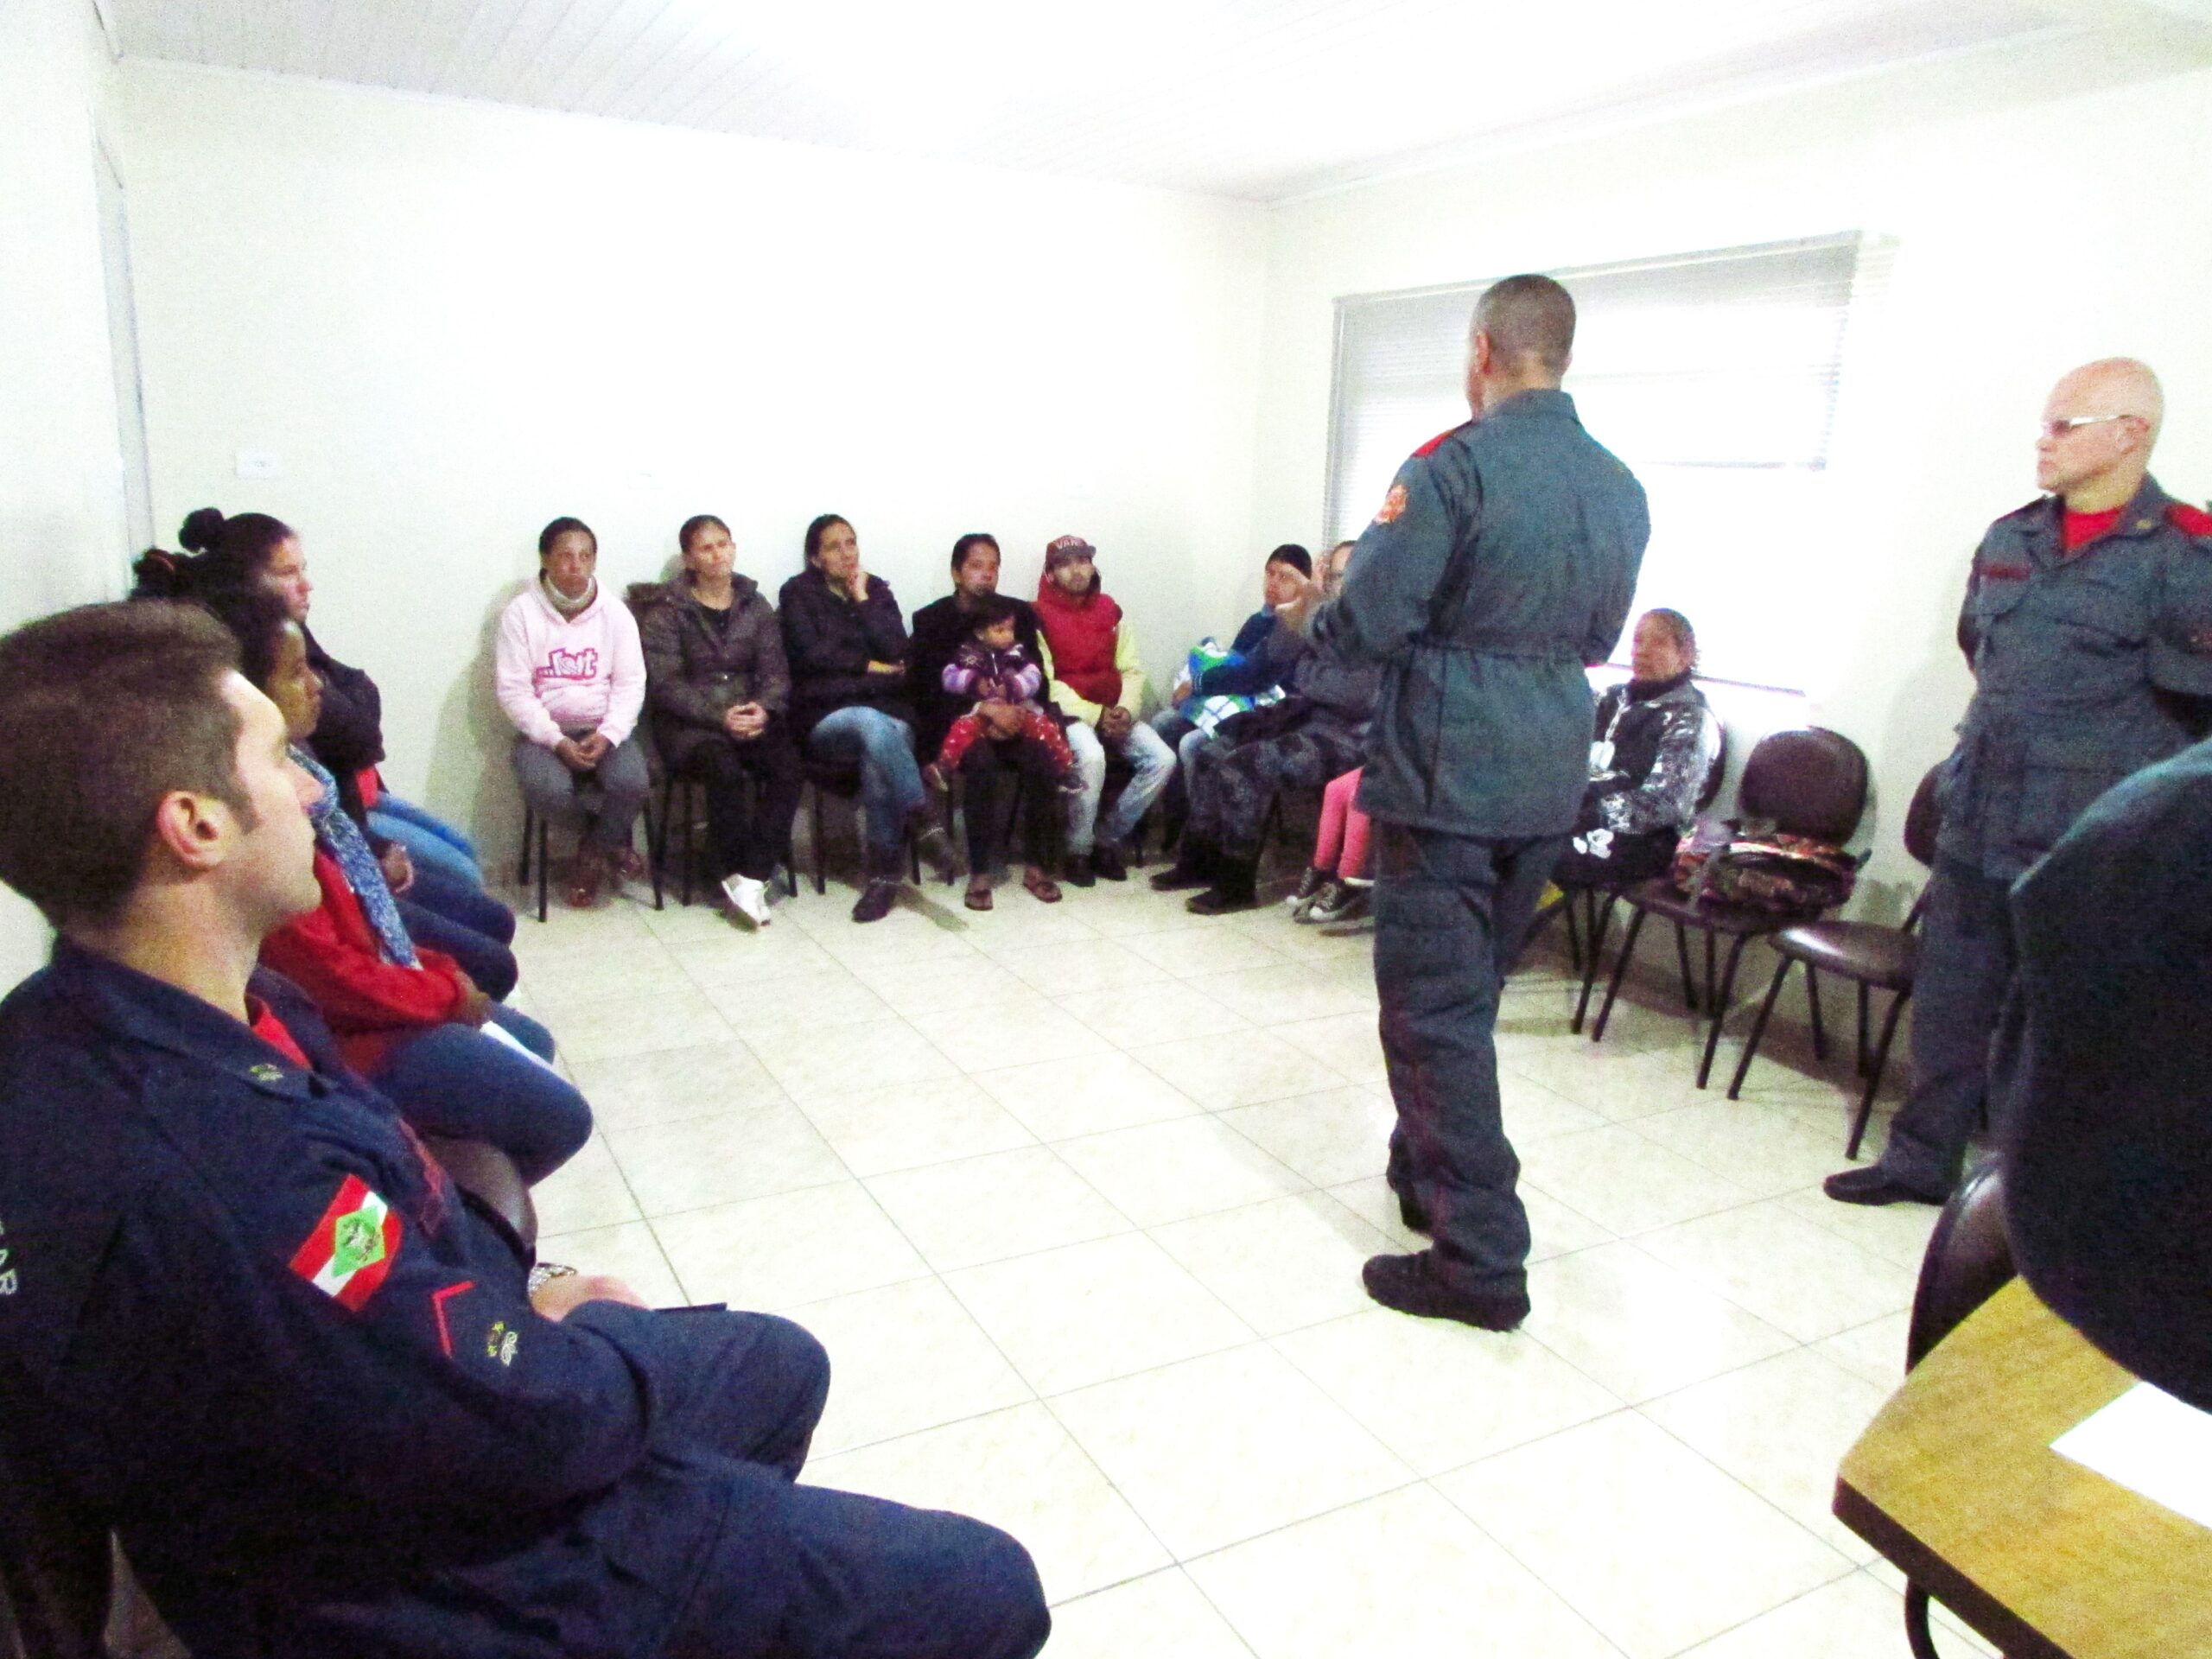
1146, 750
453, 1080
430, 842
809, 1572
882, 746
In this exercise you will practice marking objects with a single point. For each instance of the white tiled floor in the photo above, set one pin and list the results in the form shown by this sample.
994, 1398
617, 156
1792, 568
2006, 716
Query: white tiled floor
1076, 1199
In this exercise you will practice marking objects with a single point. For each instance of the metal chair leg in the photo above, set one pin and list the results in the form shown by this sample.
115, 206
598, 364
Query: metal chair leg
1601, 919
656, 846
522, 861
1574, 928
1874, 1074
1862, 1028
821, 853
1620, 971
1720, 1008
544, 862
1813, 1004
691, 852
1682, 957
1916, 1634
1758, 1028
1712, 941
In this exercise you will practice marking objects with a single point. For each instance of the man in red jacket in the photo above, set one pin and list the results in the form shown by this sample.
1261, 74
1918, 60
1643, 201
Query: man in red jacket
1091, 660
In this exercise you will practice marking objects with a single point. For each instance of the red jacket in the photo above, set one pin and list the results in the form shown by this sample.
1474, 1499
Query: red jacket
331, 954
1081, 632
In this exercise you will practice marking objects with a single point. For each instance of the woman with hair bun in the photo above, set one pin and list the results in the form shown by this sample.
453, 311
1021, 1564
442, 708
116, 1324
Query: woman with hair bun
437, 865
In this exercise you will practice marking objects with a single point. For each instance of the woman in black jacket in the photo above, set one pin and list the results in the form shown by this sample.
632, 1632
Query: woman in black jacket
1655, 744
846, 644
720, 694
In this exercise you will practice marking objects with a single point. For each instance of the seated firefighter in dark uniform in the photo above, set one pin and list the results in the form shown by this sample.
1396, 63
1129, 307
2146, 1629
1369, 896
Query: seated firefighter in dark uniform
249, 1323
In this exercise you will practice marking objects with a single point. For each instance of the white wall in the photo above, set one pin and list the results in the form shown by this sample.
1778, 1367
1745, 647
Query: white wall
2028, 240
450, 322
62, 526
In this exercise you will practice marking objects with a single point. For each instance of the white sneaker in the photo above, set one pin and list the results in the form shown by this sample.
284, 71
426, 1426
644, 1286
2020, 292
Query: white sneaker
749, 897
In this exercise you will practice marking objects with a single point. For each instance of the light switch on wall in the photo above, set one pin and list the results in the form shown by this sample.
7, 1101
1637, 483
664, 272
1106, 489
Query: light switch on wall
259, 463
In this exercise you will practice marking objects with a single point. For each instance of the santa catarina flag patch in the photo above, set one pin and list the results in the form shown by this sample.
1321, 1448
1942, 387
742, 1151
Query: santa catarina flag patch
351, 1247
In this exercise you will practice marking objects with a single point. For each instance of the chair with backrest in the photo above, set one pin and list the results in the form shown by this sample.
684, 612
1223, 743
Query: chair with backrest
1807, 782
1968, 1259
1585, 935
1873, 957
66, 1590
821, 778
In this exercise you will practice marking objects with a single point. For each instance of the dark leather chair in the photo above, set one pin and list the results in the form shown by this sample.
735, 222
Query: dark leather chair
1586, 935
1808, 782
65, 1590
821, 778
1871, 956
1968, 1259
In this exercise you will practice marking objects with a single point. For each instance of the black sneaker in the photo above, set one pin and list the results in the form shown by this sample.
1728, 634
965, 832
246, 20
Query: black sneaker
1874, 1184
1310, 882
1077, 873
1229, 893
1111, 863
876, 899
1193, 867
1409, 1284
1345, 901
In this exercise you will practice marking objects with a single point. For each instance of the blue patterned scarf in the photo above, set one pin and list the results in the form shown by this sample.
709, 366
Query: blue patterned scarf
340, 837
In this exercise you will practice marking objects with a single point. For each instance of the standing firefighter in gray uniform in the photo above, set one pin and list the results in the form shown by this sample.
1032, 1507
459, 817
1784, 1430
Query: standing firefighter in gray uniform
2088, 625
1502, 560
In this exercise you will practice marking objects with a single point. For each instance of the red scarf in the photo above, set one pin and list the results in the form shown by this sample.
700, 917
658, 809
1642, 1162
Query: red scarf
1081, 632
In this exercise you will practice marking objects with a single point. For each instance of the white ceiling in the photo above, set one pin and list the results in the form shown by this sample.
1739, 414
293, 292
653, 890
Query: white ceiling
1256, 99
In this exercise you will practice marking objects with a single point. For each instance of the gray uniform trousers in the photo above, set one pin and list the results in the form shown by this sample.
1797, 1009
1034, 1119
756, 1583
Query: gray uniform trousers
1967, 955
1450, 914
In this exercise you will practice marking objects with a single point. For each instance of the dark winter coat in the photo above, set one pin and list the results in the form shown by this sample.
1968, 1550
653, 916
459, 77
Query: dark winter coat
695, 673
829, 641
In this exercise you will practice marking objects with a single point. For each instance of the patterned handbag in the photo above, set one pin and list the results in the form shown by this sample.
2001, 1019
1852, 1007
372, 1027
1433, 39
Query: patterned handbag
1762, 868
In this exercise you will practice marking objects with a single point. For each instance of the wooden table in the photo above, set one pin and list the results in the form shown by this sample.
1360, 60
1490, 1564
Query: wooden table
1957, 1483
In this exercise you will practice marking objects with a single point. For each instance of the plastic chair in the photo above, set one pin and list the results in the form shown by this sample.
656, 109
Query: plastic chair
1968, 1259
1871, 956
1807, 782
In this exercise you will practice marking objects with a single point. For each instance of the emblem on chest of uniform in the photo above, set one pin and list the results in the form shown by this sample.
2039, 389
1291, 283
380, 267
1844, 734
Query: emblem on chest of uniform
500, 1343
266, 1074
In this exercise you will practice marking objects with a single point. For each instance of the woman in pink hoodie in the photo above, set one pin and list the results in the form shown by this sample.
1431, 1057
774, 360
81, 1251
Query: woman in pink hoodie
572, 677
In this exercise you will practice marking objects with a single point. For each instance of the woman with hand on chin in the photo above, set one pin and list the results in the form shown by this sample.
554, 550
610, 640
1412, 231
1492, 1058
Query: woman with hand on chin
846, 643
720, 696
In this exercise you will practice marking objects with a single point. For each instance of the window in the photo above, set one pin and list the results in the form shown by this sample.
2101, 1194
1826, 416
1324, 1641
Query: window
1714, 376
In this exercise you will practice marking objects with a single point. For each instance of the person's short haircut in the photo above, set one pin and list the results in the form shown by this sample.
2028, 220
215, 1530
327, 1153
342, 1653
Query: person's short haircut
107, 709
1296, 558
991, 610
1529, 317
560, 527
1678, 625
820, 528
693, 525
974, 538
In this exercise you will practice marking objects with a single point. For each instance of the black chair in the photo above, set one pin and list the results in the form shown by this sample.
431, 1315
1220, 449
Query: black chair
1807, 782
66, 1590
1871, 956
533, 838
1585, 935
681, 798
821, 778
1968, 1259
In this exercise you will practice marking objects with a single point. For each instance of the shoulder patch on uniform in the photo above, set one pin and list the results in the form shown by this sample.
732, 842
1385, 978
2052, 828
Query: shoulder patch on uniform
1436, 443
2190, 521
352, 1248
1393, 504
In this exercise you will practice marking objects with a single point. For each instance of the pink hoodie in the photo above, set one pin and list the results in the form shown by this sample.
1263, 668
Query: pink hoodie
558, 674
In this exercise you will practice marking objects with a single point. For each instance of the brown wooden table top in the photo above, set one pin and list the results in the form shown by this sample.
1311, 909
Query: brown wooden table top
1956, 1483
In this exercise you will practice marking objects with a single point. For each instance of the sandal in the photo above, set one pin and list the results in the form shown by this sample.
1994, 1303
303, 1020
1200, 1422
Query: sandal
1041, 887
977, 898
584, 876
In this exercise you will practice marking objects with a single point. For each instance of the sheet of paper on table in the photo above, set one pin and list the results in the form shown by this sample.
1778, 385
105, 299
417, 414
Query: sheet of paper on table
2152, 1444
